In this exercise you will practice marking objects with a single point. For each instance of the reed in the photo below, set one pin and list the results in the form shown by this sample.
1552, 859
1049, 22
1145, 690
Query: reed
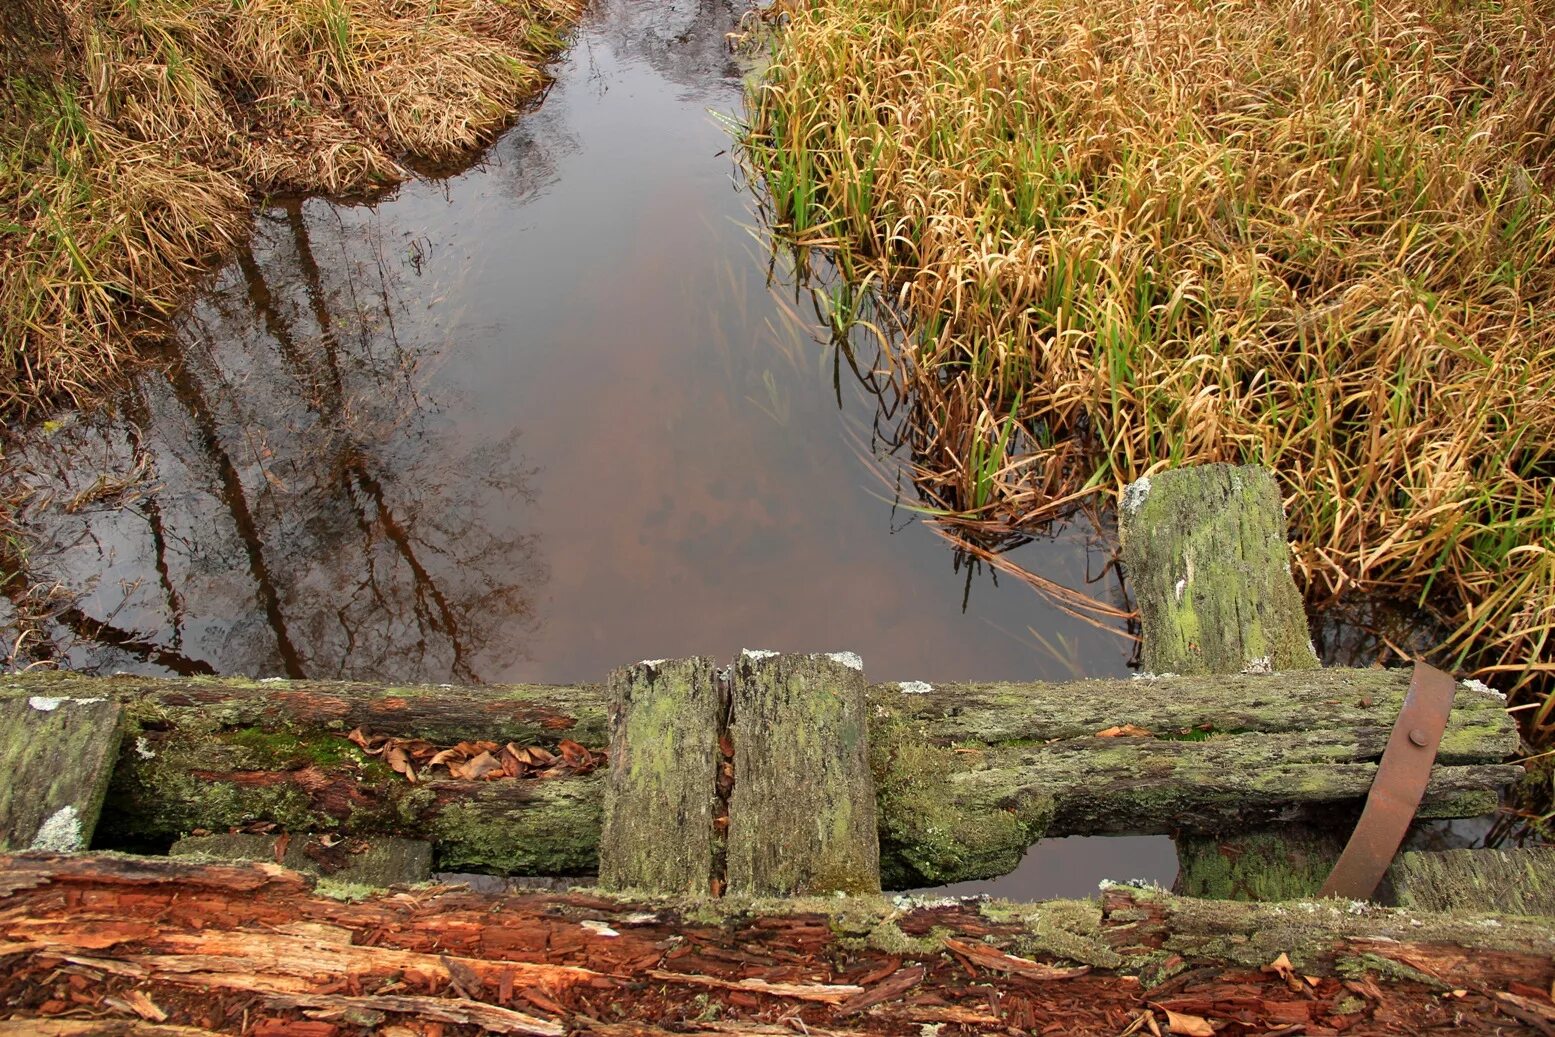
1139, 233
135, 133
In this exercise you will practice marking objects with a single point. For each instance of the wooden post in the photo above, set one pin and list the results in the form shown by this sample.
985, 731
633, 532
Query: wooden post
1207, 555
56, 758
665, 719
1205, 549
802, 813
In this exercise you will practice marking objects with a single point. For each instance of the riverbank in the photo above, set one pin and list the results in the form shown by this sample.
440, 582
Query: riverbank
1316, 238
134, 137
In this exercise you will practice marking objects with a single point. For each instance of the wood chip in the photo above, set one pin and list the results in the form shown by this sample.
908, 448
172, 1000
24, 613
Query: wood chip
888, 989
830, 994
996, 960
490, 1018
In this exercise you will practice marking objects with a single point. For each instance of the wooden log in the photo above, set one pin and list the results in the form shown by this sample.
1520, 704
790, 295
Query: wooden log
665, 719
967, 775
251, 949
381, 861
802, 813
522, 713
1205, 550
1512, 881
57, 754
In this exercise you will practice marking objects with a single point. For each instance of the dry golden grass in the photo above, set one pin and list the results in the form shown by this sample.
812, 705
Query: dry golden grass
1139, 233
134, 132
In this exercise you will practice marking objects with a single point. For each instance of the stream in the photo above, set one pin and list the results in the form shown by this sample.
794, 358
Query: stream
555, 413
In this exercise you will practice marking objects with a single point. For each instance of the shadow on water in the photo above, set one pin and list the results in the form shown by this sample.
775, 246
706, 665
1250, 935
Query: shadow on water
527, 423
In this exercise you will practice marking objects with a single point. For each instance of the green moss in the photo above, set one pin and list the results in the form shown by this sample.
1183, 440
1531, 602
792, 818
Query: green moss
554, 833
282, 750
1287, 863
1358, 966
936, 826
1065, 929
888, 937
350, 892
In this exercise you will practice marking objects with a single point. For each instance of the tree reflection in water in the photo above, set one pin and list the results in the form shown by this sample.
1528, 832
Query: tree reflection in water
279, 494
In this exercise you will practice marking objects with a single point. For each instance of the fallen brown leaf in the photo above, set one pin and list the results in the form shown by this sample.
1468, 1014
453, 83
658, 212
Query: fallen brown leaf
1188, 1025
1285, 970
399, 760
479, 769
1124, 731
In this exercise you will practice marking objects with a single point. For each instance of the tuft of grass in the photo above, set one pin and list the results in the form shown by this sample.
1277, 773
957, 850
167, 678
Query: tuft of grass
133, 134
1132, 234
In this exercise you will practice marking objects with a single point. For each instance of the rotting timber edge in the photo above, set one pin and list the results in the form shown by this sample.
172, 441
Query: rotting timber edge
250, 948
967, 775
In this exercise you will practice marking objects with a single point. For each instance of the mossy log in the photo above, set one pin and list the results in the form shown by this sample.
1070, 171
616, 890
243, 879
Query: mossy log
252, 948
967, 775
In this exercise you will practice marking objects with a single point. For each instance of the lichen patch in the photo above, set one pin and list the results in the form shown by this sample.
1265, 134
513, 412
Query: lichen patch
61, 832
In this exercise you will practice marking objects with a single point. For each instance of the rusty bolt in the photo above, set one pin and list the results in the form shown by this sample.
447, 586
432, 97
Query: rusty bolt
1417, 736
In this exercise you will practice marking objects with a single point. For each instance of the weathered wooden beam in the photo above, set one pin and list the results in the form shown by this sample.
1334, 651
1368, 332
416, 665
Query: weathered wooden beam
252, 949
802, 813
57, 754
661, 795
967, 775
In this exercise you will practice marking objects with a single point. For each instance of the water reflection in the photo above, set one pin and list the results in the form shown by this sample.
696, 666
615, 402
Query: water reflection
551, 414
280, 494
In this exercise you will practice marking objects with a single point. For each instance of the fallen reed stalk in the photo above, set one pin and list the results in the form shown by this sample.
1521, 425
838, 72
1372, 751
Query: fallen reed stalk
135, 133
1129, 234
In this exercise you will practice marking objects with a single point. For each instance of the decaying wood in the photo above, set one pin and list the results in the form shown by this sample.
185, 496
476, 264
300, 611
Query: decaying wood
802, 813
660, 798
967, 775
138, 942
57, 753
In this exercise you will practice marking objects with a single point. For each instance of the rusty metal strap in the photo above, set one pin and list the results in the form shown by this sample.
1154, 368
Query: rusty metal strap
1397, 789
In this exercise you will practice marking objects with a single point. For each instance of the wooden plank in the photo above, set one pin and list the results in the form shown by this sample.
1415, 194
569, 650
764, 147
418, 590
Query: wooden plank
1512, 881
802, 815
57, 755
665, 718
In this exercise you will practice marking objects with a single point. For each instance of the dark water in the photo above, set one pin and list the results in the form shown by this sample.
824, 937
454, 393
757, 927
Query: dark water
527, 423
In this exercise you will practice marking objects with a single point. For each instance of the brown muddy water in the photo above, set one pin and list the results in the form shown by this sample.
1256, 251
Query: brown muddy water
527, 423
